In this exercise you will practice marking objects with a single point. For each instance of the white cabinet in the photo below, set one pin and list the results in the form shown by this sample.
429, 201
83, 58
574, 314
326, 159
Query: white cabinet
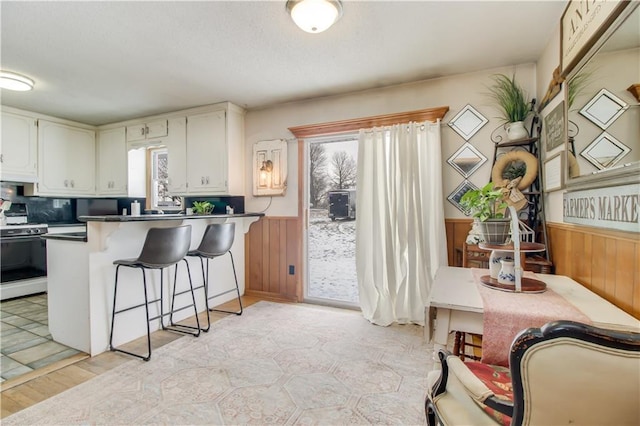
207, 152
215, 152
66, 160
18, 154
177, 149
112, 162
145, 131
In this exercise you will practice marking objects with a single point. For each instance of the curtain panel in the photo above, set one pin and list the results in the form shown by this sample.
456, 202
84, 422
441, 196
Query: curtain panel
400, 231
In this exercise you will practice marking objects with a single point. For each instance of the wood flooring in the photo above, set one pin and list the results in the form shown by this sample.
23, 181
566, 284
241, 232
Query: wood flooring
22, 392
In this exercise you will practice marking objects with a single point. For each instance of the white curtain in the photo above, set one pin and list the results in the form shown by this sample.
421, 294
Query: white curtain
400, 230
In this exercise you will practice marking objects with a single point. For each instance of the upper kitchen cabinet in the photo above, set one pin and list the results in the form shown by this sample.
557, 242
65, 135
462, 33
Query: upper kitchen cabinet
66, 160
215, 151
145, 131
19, 147
112, 162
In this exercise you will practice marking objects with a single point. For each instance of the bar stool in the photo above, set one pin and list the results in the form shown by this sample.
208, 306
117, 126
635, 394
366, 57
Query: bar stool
163, 247
216, 241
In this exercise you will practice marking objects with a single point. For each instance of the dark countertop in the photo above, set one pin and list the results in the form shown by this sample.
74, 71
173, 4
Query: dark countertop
67, 236
152, 217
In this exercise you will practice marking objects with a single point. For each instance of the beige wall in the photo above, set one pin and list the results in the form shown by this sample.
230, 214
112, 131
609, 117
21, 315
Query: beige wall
453, 91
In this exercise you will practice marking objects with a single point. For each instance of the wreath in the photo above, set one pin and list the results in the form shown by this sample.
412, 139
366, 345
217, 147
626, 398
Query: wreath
506, 160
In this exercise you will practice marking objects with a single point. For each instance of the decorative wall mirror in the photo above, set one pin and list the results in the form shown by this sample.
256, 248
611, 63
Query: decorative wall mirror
467, 122
467, 160
598, 97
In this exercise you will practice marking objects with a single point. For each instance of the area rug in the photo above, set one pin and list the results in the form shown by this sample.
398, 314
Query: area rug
280, 364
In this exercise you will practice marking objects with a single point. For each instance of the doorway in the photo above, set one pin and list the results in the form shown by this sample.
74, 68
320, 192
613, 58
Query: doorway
331, 207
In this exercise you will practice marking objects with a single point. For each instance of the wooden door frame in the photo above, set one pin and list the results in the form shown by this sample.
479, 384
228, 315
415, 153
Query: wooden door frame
335, 128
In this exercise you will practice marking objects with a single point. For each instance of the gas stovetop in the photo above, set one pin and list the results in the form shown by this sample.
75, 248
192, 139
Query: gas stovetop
22, 229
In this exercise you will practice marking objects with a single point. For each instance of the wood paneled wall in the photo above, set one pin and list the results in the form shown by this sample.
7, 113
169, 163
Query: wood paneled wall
272, 245
606, 262
457, 231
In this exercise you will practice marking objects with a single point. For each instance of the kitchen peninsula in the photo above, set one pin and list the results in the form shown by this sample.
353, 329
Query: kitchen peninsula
81, 276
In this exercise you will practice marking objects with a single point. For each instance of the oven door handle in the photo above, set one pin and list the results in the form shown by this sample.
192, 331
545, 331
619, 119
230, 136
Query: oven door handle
22, 238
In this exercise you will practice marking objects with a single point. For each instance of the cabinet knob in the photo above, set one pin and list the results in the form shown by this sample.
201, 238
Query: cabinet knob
72, 184
66, 183
202, 180
1, 158
207, 179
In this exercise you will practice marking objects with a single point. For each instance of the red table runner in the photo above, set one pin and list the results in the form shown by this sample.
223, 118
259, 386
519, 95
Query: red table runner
505, 314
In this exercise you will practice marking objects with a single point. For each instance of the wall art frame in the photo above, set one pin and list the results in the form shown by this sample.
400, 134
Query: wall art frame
466, 160
553, 126
554, 173
456, 195
467, 122
582, 25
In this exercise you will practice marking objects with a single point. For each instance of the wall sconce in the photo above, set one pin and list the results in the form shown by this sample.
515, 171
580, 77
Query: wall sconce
270, 168
265, 172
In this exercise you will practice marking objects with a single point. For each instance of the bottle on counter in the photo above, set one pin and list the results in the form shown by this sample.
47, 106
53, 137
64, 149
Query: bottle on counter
135, 208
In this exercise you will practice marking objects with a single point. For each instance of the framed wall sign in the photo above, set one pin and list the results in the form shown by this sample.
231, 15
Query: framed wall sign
554, 127
582, 24
554, 173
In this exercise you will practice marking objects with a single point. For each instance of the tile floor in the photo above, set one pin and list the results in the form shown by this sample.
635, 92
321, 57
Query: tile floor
25, 342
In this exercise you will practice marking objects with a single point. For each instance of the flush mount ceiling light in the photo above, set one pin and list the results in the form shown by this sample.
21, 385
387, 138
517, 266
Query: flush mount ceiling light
13, 81
314, 16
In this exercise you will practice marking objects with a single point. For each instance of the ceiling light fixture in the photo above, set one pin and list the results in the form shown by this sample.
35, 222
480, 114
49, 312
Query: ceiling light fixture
13, 81
314, 16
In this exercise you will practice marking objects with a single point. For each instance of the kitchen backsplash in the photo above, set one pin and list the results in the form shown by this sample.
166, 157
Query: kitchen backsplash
59, 211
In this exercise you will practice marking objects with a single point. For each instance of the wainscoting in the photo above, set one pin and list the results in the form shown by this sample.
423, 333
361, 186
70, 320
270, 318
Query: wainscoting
457, 231
272, 246
606, 262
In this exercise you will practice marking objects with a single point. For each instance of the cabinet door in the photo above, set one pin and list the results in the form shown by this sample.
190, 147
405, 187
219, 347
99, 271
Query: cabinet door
18, 157
66, 159
177, 149
137, 132
112, 162
156, 129
207, 153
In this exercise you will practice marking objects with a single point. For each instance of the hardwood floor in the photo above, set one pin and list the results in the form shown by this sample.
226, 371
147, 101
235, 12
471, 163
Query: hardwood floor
22, 392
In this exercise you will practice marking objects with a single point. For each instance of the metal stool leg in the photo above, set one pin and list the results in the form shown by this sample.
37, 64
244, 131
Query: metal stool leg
180, 327
225, 292
206, 292
114, 312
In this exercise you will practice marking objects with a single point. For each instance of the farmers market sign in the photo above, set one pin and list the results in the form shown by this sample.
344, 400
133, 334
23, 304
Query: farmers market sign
613, 207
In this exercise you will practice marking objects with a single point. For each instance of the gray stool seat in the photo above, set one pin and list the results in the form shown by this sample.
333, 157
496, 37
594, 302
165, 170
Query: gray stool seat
163, 248
216, 241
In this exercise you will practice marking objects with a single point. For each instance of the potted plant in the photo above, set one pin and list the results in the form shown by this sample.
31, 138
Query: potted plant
202, 207
487, 206
514, 104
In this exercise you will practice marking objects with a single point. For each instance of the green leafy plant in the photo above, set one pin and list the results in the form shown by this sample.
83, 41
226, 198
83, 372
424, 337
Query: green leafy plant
576, 85
514, 170
202, 207
510, 97
484, 203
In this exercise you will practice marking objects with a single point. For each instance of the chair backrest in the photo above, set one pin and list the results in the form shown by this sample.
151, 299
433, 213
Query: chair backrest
217, 239
164, 247
572, 373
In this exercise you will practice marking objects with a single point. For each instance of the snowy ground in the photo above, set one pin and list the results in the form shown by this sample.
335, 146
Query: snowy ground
332, 258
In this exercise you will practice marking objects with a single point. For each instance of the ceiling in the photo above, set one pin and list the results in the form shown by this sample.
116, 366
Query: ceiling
103, 62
